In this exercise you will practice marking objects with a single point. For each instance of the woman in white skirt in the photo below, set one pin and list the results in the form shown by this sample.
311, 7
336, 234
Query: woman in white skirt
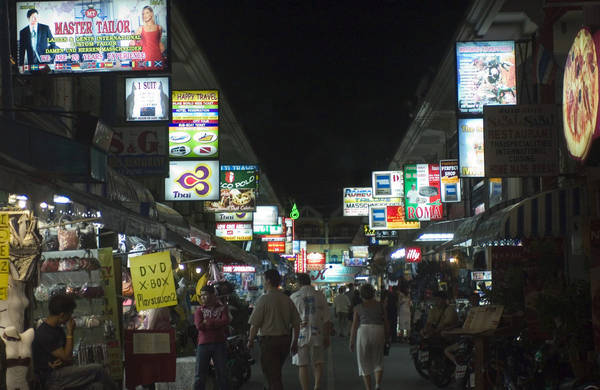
370, 333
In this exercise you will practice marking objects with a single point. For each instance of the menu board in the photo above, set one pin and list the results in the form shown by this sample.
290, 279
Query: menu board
194, 130
449, 181
422, 192
470, 148
485, 75
238, 189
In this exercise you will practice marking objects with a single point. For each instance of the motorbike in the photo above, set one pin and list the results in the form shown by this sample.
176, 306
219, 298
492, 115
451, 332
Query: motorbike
239, 362
464, 373
431, 362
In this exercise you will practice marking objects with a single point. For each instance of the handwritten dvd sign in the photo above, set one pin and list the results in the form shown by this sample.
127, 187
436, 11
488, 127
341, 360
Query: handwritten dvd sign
86, 37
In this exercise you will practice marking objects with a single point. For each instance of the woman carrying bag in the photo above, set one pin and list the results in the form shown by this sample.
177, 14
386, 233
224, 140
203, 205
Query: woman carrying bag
370, 334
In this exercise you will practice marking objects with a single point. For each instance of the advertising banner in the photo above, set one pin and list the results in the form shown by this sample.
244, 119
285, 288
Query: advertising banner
357, 201
237, 231
422, 192
4, 255
334, 273
495, 191
449, 181
361, 251
147, 99
238, 268
470, 147
87, 37
268, 229
315, 261
194, 129
388, 184
139, 151
266, 215
391, 217
233, 217
300, 264
276, 246
485, 74
192, 180
238, 189
521, 140
153, 283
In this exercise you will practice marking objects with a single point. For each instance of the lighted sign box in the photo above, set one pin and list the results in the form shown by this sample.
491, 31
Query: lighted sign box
470, 147
315, 261
355, 262
147, 99
238, 231
388, 184
276, 246
139, 151
485, 75
413, 255
88, 37
361, 251
192, 180
238, 268
239, 185
450, 181
422, 192
358, 200
334, 273
233, 217
266, 215
194, 129
390, 217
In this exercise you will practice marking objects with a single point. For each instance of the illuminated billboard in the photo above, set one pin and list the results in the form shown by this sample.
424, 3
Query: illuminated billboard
238, 189
236, 231
192, 180
422, 192
266, 215
388, 184
390, 217
356, 201
86, 37
471, 157
147, 99
450, 181
194, 129
485, 75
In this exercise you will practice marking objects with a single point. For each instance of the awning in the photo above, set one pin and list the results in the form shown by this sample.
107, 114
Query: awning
543, 215
440, 231
465, 230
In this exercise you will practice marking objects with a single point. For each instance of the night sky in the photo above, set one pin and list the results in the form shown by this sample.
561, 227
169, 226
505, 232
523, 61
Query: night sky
323, 89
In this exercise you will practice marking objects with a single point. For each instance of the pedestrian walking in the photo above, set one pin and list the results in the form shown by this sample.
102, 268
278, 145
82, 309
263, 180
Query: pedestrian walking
370, 333
404, 313
276, 321
315, 328
341, 306
211, 319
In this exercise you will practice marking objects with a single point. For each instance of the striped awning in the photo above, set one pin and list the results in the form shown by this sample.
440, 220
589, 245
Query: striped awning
544, 215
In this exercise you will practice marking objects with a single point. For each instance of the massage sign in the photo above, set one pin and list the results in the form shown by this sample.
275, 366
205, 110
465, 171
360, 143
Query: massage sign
153, 283
422, 192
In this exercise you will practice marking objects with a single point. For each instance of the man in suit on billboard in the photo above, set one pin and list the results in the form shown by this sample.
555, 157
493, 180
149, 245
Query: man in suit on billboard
34, 40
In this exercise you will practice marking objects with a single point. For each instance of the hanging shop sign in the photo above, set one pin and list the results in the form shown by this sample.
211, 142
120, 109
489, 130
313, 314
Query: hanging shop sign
450, 181
266, 215
147, 99
238, 269
495, 191
236, 231
234, 217
194, 129
368, 232
485, 75
139, 151
153, 283
422, 192
413, 255
276, 246
269, 230
580, 108
521, 140
290, 233
4, 255
334, 273
315, 261
300, 263
390, 217
238, 189
470, 147
361, 251
294, 214
192, 180
388, 184
357, 201
89, 37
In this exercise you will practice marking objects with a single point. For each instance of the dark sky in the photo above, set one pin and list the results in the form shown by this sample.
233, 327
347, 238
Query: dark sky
320, 87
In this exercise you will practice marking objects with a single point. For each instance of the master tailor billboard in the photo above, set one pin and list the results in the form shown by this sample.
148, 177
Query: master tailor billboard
86, 37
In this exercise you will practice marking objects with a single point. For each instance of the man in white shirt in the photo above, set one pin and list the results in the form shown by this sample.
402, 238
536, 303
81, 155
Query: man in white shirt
341, 305
315, 327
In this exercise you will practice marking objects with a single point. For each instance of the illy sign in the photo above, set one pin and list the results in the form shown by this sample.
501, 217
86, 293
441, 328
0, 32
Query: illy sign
413, 255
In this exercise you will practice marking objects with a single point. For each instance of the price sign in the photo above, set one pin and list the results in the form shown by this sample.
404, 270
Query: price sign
4, 252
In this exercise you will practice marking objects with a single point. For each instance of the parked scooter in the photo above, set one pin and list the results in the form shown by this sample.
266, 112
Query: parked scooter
239, 363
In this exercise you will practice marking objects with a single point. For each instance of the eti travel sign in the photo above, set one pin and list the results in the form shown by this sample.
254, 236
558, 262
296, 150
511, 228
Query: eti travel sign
422, 192
192, 180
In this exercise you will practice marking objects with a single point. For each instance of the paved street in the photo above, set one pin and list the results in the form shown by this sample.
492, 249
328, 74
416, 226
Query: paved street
341, 372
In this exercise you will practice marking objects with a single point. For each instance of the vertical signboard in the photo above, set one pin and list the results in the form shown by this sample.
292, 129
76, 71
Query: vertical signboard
153, 283
485, 75
238, 189
422, 192
4, 255
521, 140
192, 180
388, 184
450, 181
470, 147
194, 131
147, 99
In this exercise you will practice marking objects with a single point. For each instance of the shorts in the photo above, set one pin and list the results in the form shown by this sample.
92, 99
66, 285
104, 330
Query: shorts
307, 354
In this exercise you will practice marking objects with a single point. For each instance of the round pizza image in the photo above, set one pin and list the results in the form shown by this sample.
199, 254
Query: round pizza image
580, 95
